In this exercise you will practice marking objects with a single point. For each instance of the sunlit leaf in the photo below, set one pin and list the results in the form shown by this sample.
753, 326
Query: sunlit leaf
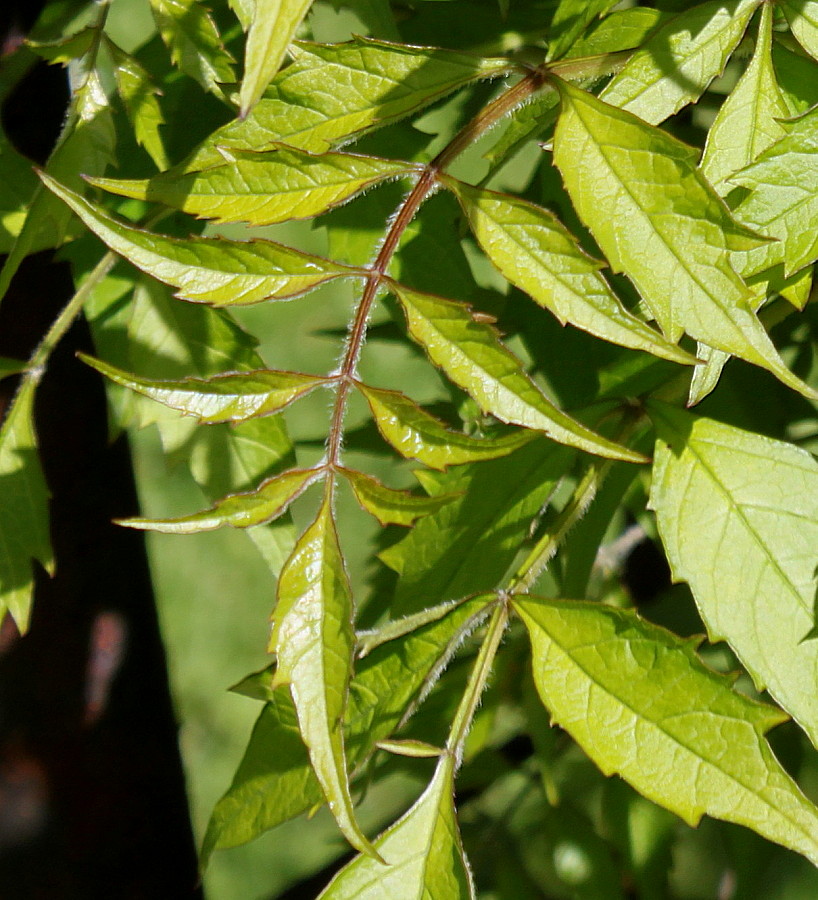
232, 397
263, 188
738, 516
411, 748
418, 435
66, 49
194, 43
783, 198
536, 252
272, 27
471, 354
623, 29
422, 852
803, 18
314, 641
390, 506
639, 701
571, 18
208, 270
333, 92
677, 62
243, 510
24, 535
655, 217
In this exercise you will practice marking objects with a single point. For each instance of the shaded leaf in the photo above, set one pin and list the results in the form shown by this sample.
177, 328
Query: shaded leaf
571, 18
411, 748
738, 516
677, 62
335, 91
24, 535
313, 640
263, 188
10, 366
422, 852
536, 253
639, 701
267, 502
623, 29
194, 42
471, 354
656, 219
272, 27
232, 397
208, 270
390, 506
803, 18
418, 435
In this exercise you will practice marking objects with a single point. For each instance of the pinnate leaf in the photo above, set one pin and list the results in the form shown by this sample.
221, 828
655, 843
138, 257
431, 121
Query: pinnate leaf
273, 26
422, 852
263, 188
233, 397
536, 253
655, 217
738, 516
783, 199
334, 91
208, 270
194, 42
471, 354
390, 506
418, 435
23, 511
640, 703
677, 62
243, 510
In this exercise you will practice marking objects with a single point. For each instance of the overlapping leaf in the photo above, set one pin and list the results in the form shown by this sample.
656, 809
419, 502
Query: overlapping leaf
422, 852
571, 18
783, 199
233, 397
418, 435
738, 515
204, 270
264, 188
656, 219
802, 16
539, 255
23, 511
273, 26
677, 62
471, 354
313, 640
637, 699
332, 92
390, 506
275, 781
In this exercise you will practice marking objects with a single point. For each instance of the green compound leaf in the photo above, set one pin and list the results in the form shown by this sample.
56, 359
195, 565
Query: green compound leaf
738, 516
803, 18
390, 506
24, 533
640, 703
273, 26
656, 219
679, 60
783, 202
233, 397
471, 354
749, 119
267, 502
275, 782
535, 252
422, 852
418, 435
623, 29
264, 188
314, 643
571, 18
194, 43
332, 92
208, 270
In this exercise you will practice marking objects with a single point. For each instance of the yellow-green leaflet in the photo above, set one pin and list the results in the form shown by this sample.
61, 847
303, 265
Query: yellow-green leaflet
390, 506
208, 270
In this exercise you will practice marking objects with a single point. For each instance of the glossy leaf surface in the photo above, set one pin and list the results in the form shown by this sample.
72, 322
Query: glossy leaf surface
642, 705
470, 353
738, 516
208, 270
